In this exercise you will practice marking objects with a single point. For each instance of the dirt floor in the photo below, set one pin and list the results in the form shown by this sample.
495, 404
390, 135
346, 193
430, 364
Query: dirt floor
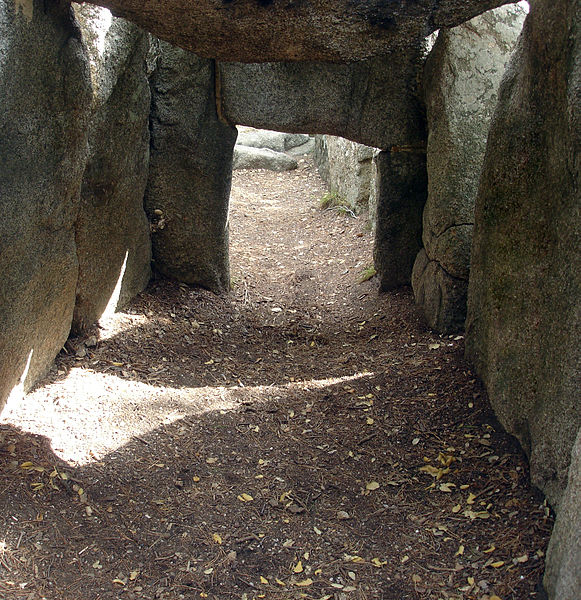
302, 437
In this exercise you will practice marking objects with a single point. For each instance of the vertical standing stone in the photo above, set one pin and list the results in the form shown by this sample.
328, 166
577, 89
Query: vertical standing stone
44, 106
563, 573
461, 80
112, 231
400, 196
524, 300
346, 168
190, 172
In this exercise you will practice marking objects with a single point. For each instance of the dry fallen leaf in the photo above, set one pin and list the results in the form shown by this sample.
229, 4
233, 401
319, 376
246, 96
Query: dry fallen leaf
446, 487
372, 485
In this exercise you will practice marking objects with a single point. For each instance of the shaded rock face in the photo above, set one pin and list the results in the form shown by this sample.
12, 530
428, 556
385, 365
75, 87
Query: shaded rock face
563, 572
112, 231
45, 96
190, 172
270, 30
400, 197
346, 168
462, 76
374, 102
524, 309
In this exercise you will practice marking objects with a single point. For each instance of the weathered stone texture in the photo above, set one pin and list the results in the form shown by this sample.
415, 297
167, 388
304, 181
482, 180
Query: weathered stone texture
346, 168
400, 196
563, 570
374, 102
462, 76
190, 172
273, 140
112, 231
323, 30
44, 101
524, 304
249, 157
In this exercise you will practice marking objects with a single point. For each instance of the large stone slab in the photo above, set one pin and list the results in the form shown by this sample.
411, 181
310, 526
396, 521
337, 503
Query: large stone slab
112, 231
374, 102
249, 157
190, 172
273, 140
346, 167
563, 570
44, 102
524, 304
402, 186
461, 80
271, 30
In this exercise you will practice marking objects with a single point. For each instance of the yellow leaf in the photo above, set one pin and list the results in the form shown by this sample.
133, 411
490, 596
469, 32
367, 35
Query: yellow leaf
119, 581
281, 583
353, 558
263, 580
489, 550
405, 558
216, 537
456, 508
245, 498
435, 471
304, 582
195, 478
372, 485
494, 597
298, 568
497, 564
133, 575
522, 559
471, 498
445, 459
370, 421
318, 571
317, 530
460, 551
445, 487
27, 465
471, 580
378, 563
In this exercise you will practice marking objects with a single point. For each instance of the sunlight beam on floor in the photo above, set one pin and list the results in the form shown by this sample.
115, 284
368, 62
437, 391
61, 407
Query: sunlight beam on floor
84, 427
